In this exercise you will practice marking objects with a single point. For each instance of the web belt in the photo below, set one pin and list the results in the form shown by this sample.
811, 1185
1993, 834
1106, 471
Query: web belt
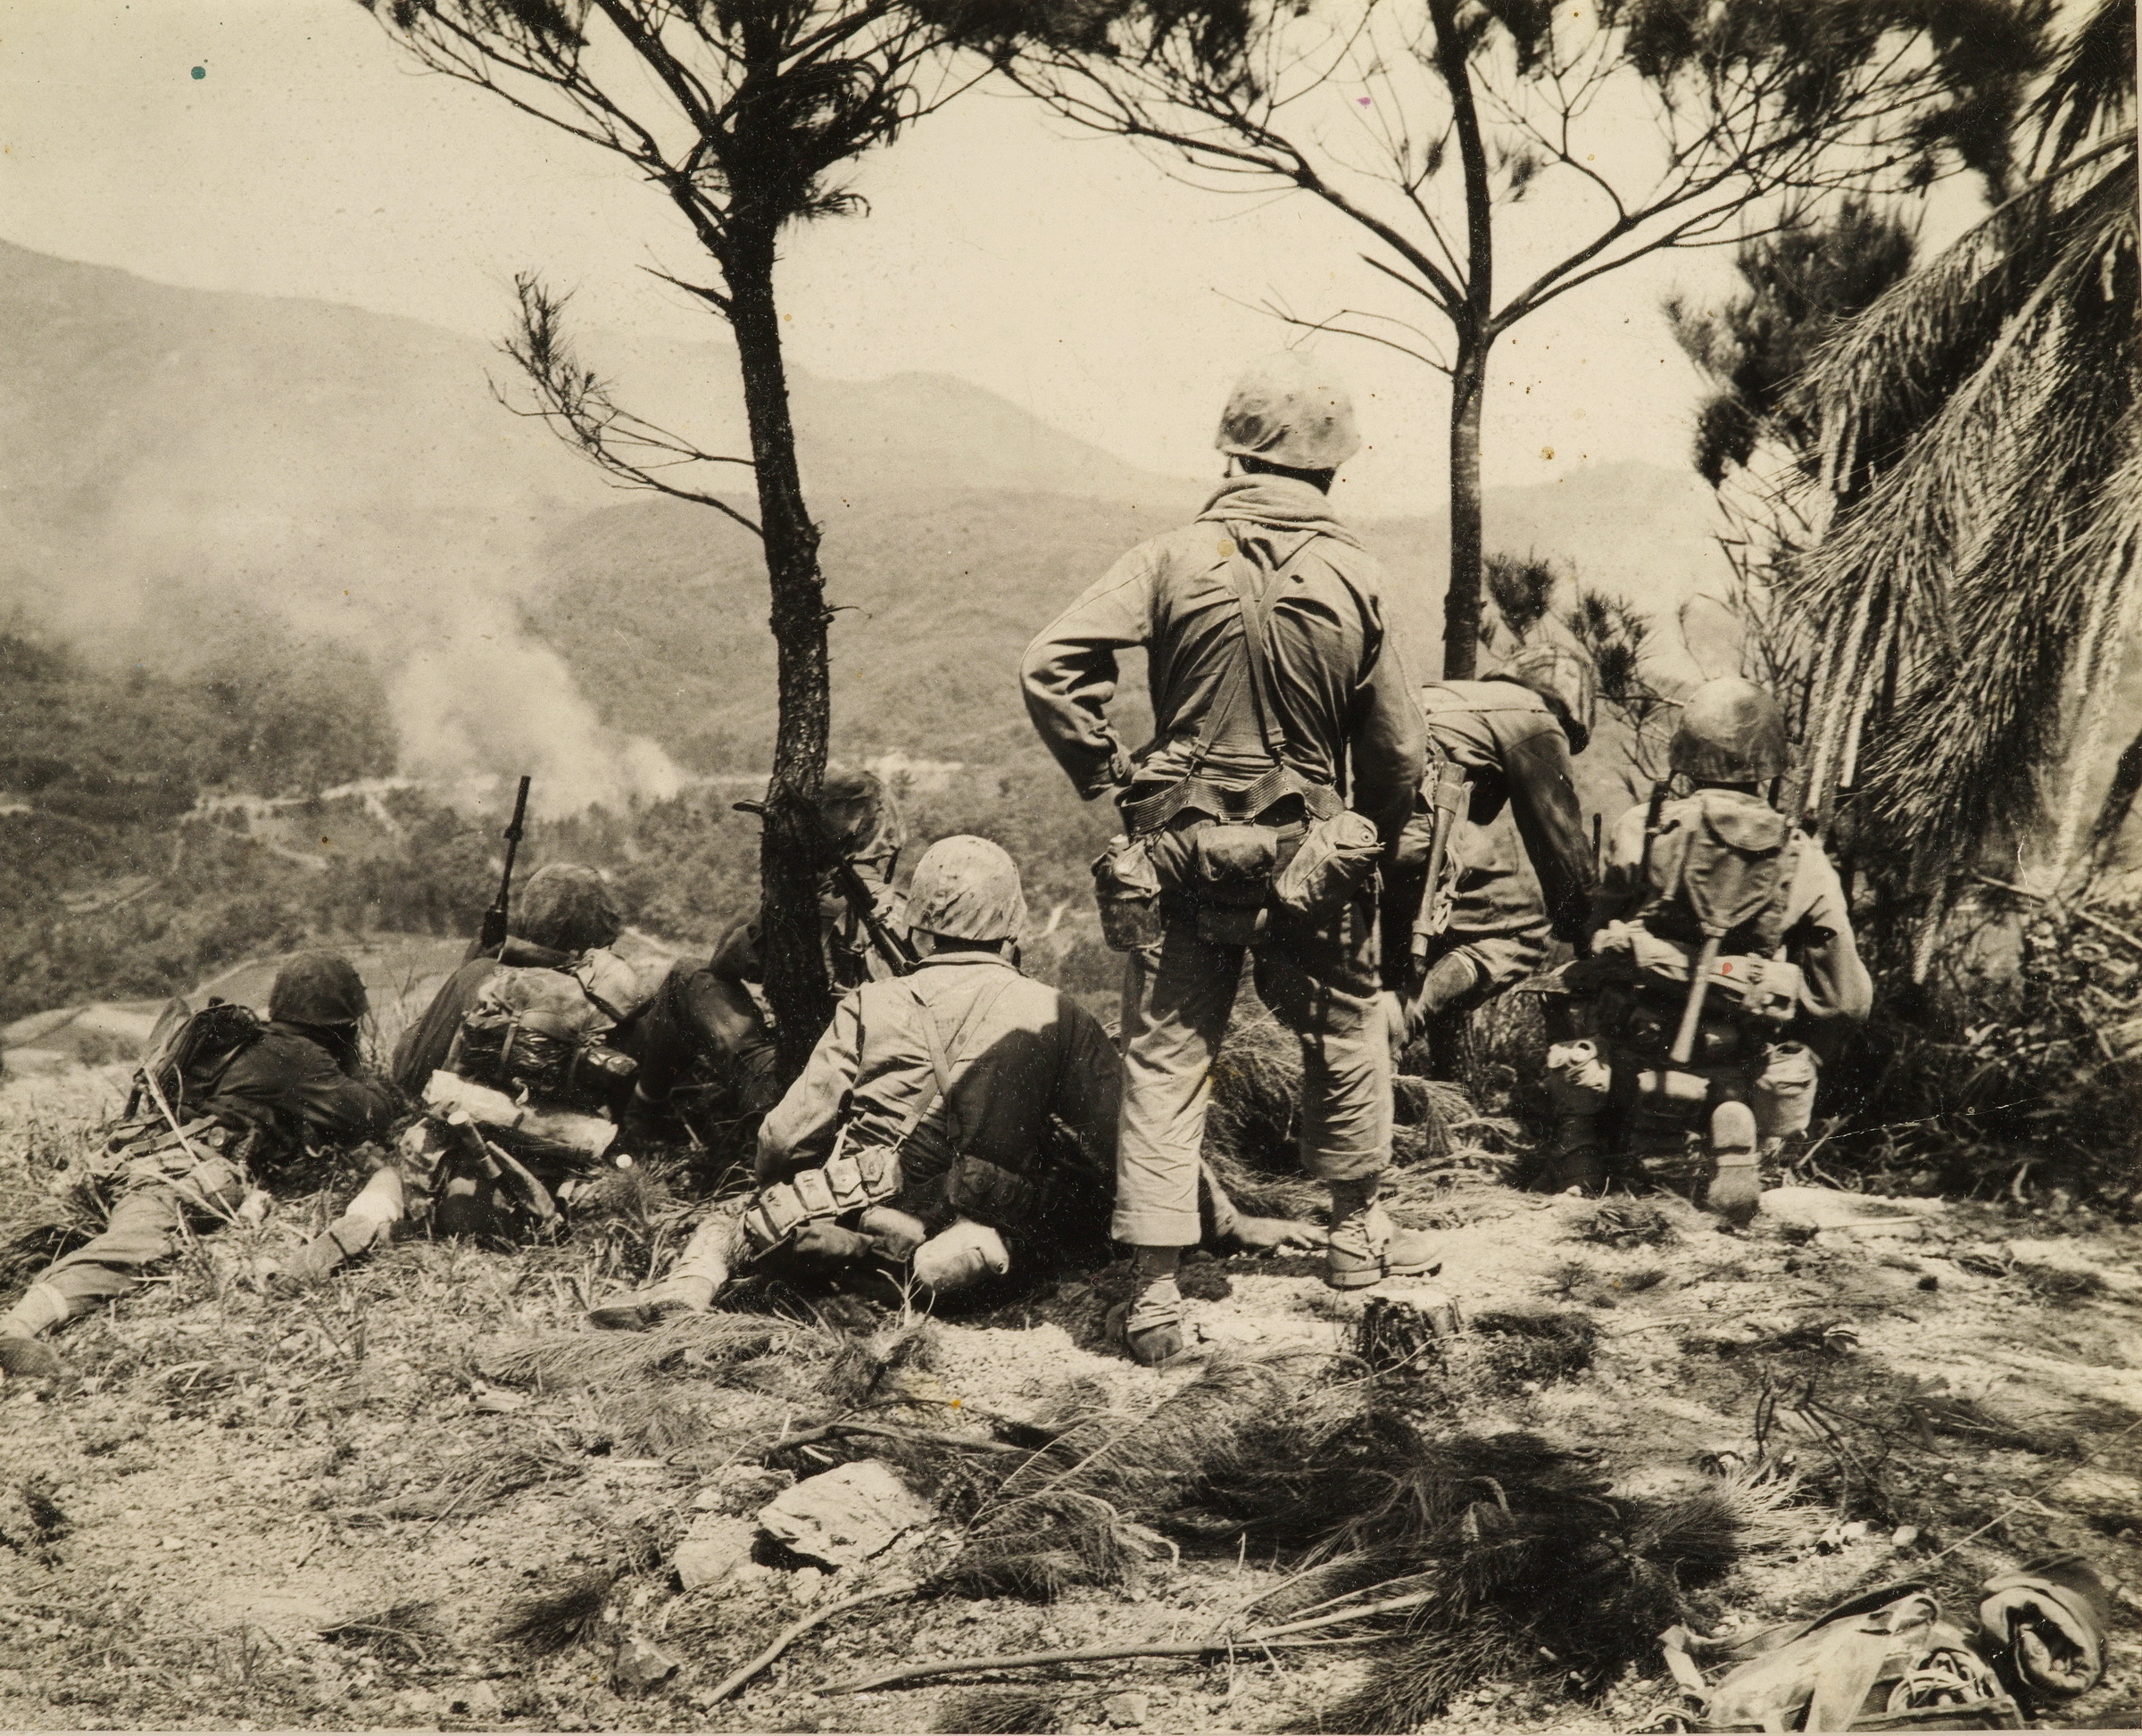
1233, 805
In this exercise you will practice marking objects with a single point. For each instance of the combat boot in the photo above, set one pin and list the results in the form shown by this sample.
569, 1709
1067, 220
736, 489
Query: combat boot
23, 1353
691, 1287
1149, 1325
1736, 1186
1366, 1247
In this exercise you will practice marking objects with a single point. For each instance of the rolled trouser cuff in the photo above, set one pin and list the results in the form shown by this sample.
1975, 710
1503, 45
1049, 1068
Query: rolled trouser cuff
1366, 1165
1157, 1228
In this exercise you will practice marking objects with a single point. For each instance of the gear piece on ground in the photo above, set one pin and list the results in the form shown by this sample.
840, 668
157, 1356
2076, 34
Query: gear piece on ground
642, 1310
1366, 1247
1150, 1326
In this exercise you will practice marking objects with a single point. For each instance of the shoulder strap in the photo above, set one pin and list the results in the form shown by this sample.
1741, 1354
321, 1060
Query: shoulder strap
1253, 671
939, 1085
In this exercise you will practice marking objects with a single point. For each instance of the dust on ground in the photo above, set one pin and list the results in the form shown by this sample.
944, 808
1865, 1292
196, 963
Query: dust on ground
327, 1512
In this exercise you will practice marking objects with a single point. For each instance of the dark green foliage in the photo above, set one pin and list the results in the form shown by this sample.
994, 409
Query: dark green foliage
1799, 284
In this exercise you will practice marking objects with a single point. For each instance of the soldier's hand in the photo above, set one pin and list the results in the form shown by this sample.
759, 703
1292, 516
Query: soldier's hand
1273, 1234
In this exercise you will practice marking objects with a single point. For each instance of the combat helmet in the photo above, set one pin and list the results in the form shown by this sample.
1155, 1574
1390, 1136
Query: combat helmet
1732, 732
1567, 680
569, 909
318, 988
966, 888
1290, 409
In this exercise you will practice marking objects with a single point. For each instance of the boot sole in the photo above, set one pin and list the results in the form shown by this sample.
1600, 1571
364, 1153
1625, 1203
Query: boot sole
1368, 1277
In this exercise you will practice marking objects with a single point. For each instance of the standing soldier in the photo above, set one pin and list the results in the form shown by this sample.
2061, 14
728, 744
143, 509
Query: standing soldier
1287, 750
222, 1117
1476, 926
1722, 961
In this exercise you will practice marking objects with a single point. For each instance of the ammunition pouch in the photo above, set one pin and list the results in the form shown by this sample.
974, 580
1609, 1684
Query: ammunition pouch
1127, 886
848, 1181
1336, 862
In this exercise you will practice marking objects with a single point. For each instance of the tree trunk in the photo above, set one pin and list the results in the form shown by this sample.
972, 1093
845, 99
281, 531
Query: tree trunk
791, 853
1475, 331
1461, 601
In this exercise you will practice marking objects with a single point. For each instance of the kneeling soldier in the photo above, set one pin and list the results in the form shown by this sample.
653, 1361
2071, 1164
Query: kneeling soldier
1723, 958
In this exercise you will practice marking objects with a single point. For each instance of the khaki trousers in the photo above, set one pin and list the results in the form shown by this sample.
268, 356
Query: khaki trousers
1319, 980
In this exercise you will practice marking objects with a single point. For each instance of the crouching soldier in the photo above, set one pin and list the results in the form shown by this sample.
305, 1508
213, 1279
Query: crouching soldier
521, 1107
1476, 924
705, 1038
921, 1130
1723, 964
223, 1100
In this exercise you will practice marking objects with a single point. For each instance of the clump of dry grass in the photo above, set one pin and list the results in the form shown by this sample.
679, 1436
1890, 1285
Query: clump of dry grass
1547, 1345
564, 1616
1007, 1711
402, 1633
706, 1344
1625, 1224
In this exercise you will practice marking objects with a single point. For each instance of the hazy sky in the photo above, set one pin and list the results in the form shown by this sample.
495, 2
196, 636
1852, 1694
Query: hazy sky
1064, 271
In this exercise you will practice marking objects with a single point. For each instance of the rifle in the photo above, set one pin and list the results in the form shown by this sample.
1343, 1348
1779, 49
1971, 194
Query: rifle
493, 934
1447, 798
895, 949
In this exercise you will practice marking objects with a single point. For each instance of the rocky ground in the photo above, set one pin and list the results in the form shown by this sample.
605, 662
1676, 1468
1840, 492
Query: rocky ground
422, 1497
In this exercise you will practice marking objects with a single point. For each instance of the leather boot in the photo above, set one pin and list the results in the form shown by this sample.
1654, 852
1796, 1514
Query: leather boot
1149, 1325
1366, 1247
1736, 1186
23, 1353
691, 1287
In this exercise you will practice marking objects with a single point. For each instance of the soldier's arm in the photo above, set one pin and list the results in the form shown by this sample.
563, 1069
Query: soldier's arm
1543, 801
1840, 994
800, 1130
299, 1085
1089, 1089
1068, 675
1390, 746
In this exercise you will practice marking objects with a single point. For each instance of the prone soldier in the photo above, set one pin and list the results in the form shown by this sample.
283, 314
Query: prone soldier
221, 1098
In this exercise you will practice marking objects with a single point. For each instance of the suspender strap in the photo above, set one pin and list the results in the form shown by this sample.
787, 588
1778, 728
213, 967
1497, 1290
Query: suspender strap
939, 1085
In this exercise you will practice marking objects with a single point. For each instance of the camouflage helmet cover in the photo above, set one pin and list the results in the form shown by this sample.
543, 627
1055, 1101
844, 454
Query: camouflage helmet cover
1732, 732
1567, 680
318, 988
966, 888
1290, 410
569, 909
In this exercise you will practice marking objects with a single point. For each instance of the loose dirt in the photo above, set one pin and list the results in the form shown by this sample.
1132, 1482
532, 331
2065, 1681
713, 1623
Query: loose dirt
321, 1513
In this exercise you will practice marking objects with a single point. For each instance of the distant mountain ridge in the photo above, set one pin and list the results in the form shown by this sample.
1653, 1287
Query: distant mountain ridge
352, 471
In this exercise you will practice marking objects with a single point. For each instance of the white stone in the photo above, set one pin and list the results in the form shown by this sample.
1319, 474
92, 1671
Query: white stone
846, 1515
713, 1549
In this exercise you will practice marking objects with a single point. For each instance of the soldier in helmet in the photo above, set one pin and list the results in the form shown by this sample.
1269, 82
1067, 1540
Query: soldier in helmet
1723, 964
294, 1083
564, 911
705, 1025
960, 1121
1286, 754
1501, 744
